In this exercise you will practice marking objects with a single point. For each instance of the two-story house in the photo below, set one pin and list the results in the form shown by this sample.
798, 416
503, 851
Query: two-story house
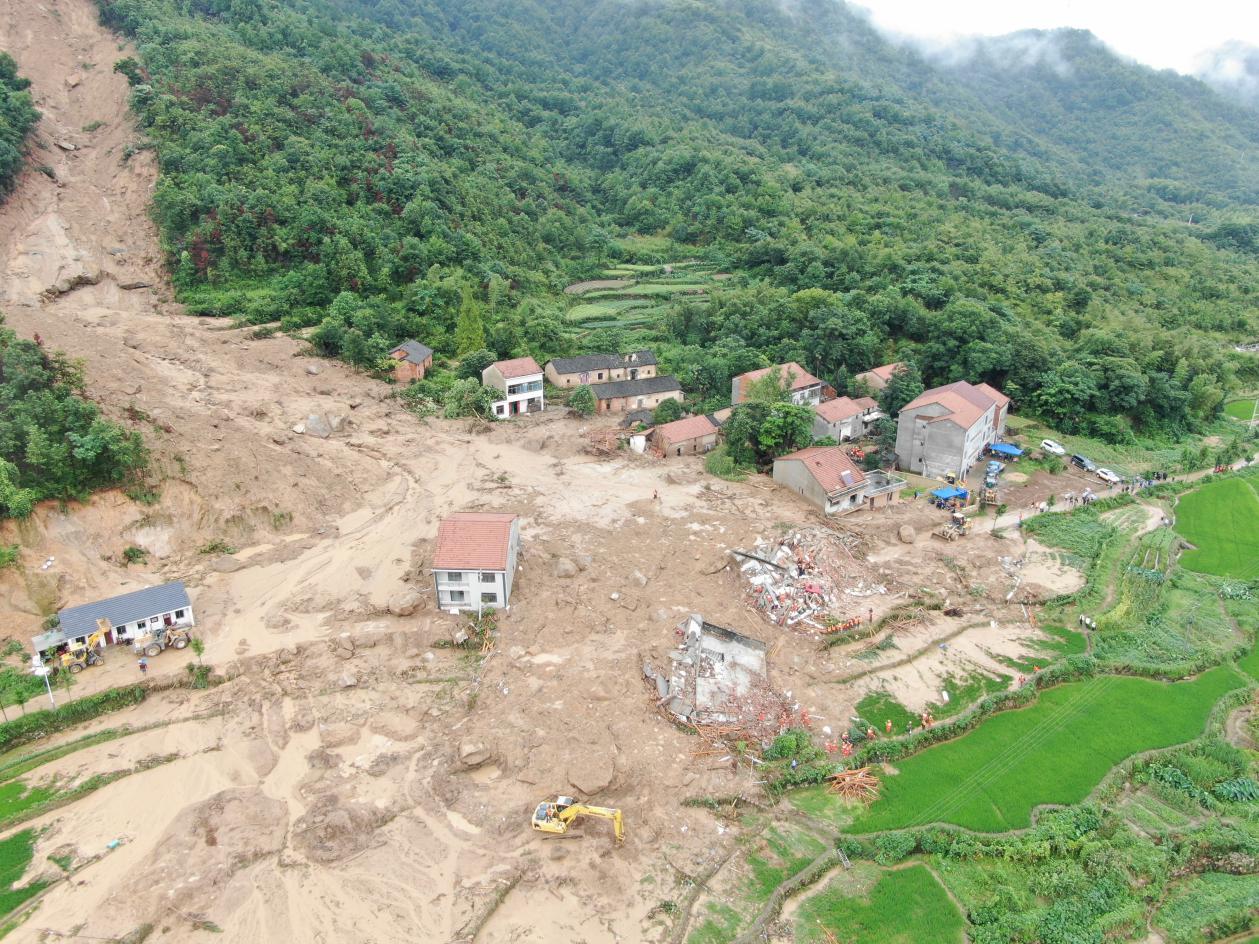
844, 418
474, 564
520, 382
805, 389
946, 429
590, 369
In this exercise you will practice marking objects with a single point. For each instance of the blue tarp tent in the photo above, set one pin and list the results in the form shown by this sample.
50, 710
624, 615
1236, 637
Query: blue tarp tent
949, 492
1005, 449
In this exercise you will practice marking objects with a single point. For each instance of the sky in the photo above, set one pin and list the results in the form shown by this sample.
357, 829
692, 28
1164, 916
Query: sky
1159, 33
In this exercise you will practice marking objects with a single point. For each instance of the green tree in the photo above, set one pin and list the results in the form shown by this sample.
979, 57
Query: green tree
473, 364
582, 400
470, 331
903, 386
667, 412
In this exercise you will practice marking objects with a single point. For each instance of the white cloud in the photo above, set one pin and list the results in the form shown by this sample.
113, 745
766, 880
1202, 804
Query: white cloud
1158, 33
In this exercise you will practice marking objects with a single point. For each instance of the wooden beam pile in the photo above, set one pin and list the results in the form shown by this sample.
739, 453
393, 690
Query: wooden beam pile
859, 784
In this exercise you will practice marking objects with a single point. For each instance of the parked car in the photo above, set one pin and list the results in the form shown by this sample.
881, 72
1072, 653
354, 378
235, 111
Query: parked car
1053, 447
1106, 475
995, 467
1080, 462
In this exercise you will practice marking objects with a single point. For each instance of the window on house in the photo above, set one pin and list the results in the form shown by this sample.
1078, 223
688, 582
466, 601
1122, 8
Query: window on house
600, 375
140, 624
179, 614
488, 577
489, 598
456, 596
455, 576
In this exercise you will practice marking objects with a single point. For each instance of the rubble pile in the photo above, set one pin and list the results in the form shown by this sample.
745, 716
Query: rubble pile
809, 581
717, 681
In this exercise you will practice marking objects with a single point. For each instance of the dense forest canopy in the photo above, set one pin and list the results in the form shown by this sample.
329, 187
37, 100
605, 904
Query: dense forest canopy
53, 442
17, 118
1076, 229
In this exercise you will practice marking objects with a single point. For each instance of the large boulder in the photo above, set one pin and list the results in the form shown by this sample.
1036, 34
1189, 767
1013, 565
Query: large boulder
906, 534
592, 773
473, 753
564, 568
405, 602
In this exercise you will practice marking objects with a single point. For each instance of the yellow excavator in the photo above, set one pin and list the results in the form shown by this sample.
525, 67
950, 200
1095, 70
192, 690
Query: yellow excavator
555, 816
76, 659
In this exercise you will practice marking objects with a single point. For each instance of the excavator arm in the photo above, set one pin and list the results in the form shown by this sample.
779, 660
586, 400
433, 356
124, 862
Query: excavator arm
556, 816
603, 812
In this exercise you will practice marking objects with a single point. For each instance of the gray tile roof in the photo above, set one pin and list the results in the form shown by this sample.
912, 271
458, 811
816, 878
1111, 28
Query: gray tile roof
635, 388
125, 608
584, 363
633, 417
416, 352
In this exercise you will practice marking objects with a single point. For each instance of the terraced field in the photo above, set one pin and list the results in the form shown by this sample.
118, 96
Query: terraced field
638, 296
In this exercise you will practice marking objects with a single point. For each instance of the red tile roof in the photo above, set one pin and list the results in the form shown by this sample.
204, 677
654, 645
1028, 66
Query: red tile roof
800, 378
883, 372
517, 367
829, 466
964, 403
692, 427
867, 403
473, 541
842, 408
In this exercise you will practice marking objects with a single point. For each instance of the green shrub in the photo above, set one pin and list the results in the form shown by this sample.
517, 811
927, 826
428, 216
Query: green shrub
135, 555
891, 848
582, 401
9, 555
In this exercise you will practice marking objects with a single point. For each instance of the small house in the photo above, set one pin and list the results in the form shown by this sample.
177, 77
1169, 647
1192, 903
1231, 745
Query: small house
412, 360
945, 430
844, 418
624, 396
831, 482
123, 617
520, 382
591, 369
692, 436
474, 565
876, 378
805, 389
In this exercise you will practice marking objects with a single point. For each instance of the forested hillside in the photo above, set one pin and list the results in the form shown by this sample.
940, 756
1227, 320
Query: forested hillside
17, 117
351, 166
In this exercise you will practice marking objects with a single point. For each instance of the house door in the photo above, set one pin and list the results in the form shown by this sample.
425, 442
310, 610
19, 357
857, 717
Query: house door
167, 620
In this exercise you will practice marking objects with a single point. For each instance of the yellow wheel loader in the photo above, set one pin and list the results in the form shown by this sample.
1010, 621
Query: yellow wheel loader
167, 637
557, 815
79, 658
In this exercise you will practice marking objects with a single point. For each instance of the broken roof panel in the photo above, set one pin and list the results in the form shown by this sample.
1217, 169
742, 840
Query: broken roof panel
413, 352
799, 377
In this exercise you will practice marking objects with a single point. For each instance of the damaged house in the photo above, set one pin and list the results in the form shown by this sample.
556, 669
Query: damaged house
718, 676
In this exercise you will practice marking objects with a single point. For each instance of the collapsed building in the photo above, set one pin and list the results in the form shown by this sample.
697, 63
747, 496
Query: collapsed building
719, 677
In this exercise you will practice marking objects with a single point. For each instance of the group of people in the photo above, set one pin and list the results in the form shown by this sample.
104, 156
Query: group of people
1086, 497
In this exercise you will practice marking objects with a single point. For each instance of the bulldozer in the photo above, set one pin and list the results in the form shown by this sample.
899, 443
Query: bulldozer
165, 637
555, 816
957, 527
77, 658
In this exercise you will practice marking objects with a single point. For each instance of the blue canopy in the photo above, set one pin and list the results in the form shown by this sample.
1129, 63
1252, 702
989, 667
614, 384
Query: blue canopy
1005, 449
949, 492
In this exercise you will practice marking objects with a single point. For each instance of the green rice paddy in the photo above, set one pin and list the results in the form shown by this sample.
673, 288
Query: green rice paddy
643, 303
1052, 752
1221, 520
1243, 410
904, 906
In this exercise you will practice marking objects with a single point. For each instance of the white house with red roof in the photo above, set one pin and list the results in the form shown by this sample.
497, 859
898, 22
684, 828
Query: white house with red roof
829, 480
474, 564
844, 418
805, 389
520, 382
946, 429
